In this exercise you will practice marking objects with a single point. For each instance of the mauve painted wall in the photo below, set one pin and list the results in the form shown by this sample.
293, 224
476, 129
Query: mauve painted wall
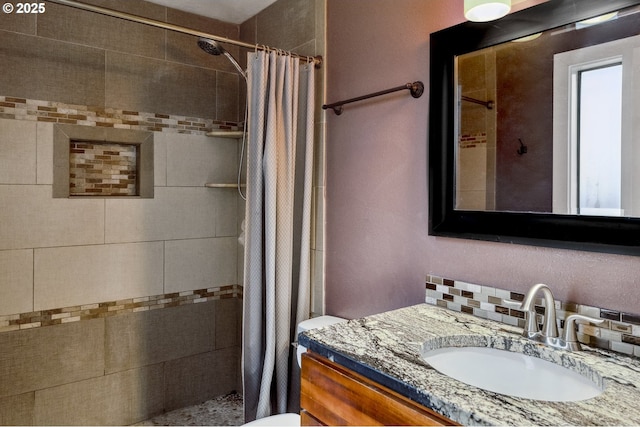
377, 248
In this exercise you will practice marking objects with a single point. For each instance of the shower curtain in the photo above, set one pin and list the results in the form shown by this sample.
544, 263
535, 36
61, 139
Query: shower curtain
278, 227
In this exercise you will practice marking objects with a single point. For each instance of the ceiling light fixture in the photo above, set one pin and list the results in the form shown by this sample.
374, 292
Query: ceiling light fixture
486, 10
597, 20
527, 38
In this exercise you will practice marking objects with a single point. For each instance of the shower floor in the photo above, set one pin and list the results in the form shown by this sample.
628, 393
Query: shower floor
221, 411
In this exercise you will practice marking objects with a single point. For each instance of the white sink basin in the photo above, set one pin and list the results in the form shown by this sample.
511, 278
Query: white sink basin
513, 374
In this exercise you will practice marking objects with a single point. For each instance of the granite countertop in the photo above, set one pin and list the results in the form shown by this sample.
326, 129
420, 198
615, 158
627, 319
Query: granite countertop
388, 348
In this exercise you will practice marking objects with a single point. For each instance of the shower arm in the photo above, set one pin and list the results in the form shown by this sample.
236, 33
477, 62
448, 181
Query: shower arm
317, 60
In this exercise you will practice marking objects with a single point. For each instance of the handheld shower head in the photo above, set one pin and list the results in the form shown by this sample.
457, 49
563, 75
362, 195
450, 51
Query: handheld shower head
212, 47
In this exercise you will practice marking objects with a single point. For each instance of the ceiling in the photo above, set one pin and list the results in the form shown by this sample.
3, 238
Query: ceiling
238, 11
233, 11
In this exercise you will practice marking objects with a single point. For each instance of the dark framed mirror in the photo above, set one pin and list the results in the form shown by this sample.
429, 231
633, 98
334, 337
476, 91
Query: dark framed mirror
493, 176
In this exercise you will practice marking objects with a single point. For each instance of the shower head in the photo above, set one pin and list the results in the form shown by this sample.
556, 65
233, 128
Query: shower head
212, 47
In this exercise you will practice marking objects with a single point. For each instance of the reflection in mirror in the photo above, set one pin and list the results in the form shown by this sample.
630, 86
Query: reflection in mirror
546, 123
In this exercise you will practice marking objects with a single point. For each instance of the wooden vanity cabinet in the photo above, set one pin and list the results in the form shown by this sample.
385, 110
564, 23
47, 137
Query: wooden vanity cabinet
334, 395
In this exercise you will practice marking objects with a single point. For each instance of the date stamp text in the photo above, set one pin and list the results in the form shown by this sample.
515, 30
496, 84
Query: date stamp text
23, 8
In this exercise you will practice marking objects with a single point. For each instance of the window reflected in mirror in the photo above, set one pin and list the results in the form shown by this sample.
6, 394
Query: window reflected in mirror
598, 111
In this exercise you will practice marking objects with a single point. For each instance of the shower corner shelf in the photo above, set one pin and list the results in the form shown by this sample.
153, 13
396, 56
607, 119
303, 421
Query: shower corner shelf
221, 185
236, 134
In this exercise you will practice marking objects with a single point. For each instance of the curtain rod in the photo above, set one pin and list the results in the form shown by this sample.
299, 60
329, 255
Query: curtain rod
317, 60
416, 88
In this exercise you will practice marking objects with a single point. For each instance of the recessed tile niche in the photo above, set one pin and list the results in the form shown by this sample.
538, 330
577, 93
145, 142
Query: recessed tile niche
102, 162
103, 169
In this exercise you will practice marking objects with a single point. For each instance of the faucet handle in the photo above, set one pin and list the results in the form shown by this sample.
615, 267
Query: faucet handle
570, 335
512, 303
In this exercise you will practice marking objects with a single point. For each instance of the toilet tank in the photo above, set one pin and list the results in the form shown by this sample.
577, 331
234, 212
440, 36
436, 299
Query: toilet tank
314, 323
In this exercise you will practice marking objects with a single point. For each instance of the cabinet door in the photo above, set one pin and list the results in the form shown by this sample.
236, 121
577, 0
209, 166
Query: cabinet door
333, 395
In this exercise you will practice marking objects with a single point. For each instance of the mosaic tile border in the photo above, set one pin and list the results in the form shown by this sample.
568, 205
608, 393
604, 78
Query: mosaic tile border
58, 112
472, 140
57, 316
620, 331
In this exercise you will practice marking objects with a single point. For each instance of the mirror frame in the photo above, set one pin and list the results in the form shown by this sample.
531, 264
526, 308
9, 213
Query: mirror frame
619, 235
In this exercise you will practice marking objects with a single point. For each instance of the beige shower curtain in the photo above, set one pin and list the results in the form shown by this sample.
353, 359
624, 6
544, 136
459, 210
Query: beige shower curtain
278, 226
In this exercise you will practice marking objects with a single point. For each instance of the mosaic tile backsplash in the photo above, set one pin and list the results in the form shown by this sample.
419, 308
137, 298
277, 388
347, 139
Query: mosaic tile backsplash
619, 332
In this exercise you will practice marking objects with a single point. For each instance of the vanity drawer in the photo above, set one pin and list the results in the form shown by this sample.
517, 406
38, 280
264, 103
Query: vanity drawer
334, 395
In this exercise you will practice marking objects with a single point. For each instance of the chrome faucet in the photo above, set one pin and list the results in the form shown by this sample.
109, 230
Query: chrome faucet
549, 333
549, 324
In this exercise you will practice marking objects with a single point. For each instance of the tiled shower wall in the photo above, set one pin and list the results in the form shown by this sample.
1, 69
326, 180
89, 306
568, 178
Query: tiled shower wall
112, 310
477, 141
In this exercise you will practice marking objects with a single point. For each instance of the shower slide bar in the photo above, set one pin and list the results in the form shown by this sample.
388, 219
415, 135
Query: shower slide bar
317, 60
487, 104
416, 89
